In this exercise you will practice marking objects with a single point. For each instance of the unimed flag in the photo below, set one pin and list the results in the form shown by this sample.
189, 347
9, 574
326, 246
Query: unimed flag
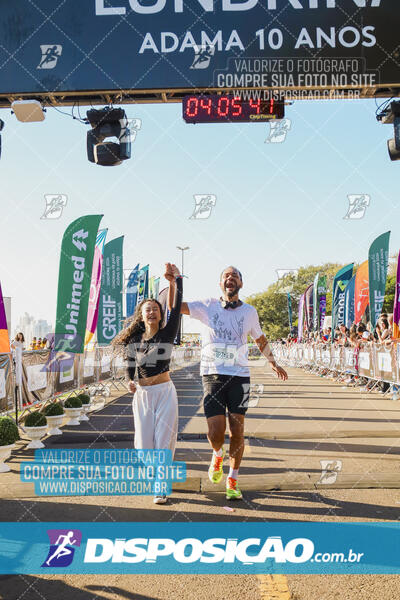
321, 300
315, 303
110, 307
74, 278
340, 282
378, 260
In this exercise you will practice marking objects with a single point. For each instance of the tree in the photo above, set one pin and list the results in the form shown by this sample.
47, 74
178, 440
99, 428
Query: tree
272, 308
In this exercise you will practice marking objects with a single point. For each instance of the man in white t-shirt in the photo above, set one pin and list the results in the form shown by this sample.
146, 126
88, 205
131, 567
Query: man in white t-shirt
227, 322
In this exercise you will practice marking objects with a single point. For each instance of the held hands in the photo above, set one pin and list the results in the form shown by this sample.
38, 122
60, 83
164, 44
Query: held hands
132, 387
281, 373
171, 271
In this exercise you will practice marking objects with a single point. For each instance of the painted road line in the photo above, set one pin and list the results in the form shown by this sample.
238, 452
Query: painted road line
273, 587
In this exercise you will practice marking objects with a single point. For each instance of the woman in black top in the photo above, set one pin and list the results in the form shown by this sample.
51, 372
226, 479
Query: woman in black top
148, 350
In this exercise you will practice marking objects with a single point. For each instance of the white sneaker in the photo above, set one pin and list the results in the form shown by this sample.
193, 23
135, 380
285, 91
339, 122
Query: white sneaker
160, 499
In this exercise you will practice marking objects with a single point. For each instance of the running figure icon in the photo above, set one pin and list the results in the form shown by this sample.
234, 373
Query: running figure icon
62, 549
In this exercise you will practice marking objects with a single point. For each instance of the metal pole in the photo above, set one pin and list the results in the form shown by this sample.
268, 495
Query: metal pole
182, 249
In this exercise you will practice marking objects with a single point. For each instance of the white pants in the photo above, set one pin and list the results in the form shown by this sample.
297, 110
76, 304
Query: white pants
155, 411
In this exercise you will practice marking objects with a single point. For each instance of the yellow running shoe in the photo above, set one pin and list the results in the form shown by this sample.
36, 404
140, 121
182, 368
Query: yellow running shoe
232, 489
215, 469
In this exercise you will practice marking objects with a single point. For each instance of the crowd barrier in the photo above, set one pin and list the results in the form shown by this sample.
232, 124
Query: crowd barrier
47, 374
374, 361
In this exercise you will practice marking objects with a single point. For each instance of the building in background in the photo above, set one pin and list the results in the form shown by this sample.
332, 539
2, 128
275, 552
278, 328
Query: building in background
32, 328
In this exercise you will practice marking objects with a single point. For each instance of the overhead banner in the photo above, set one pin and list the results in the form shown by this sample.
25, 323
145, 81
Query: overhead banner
4, 337
143, 283
110, 306
340, 282
197, 44
74, 279
361, 291
93, 309
132, 291
396, 307
378, 260
349, 302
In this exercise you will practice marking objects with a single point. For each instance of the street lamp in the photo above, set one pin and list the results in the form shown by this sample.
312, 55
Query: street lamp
182, 249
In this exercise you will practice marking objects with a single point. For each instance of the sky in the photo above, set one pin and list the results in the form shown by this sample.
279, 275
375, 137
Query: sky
278, 205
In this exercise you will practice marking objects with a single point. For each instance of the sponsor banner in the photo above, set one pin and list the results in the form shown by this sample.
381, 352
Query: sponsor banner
143, 284
385, 363
87, 363
349, 302
340, 282
396, 307
199, 44
93, 309
308, 297
201, 548
378, 259
132, 291
110, 305
4, 337
366, 363
300, 325
66, 372
361, 291
6, 383
37, 378
75, 273
290, 312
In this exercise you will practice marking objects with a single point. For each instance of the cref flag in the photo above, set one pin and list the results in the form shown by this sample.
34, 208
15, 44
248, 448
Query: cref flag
93, 308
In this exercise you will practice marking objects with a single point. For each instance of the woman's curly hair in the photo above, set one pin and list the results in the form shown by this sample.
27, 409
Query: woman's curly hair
135, 324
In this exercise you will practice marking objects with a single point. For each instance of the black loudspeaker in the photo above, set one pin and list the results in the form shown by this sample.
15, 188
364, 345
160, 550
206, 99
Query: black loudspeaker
108, 123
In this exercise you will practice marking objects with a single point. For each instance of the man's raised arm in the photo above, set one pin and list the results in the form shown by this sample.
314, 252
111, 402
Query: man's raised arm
171, 271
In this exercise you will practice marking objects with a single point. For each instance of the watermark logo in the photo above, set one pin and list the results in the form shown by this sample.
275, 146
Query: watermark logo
50, 55
251, 394
358, 204
278, 131
55, 203
204, 203
202, 57
285, 281
61, 551
329, 471
134, 125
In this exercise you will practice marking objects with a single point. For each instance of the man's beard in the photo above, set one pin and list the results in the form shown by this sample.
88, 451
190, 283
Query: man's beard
230, 292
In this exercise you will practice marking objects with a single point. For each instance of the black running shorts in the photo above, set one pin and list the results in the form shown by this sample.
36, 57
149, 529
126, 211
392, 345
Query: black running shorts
225, 393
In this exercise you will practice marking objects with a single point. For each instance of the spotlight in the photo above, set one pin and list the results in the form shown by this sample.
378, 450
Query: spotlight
391, 116
28, 111
108, 122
